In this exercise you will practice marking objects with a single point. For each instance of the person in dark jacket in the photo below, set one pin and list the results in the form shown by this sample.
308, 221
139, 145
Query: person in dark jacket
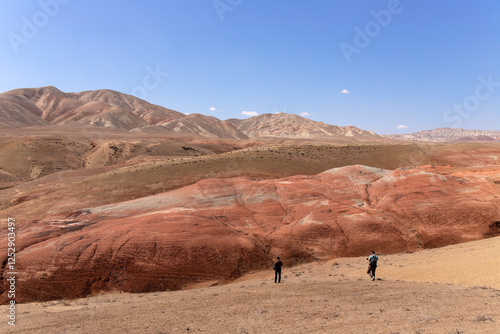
372, 265
277, 270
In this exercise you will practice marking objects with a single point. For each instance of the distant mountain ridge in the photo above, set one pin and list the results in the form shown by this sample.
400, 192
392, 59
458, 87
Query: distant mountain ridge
294, 126
107, 108
198, 124
449, 134
45, 106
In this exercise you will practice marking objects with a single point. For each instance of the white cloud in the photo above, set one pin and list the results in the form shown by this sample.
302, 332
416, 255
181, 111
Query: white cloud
215, 109
249, 113
305, 114
344, 91
402, 126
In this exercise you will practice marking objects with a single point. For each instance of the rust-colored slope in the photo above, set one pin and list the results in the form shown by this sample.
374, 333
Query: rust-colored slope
221, 228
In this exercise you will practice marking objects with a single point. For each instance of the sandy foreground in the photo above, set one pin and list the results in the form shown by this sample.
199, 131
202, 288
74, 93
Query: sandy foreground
455, 289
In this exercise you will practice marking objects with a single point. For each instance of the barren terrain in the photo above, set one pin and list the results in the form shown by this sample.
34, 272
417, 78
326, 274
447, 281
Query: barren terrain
123, 211
454, 289
112, 195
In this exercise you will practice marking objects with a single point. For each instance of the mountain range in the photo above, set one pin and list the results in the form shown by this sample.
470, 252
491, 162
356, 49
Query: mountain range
449, 134
45, 106
110, 109
105, 108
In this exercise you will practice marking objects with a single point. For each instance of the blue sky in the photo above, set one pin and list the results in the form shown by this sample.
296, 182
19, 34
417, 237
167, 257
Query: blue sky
407, 65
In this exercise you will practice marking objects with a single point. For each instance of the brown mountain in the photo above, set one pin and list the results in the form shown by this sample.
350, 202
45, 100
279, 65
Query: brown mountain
294, 126
111, 109
16, 111
105, 108
197, 124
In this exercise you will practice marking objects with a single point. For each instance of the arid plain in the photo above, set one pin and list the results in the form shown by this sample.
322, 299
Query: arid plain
113, 195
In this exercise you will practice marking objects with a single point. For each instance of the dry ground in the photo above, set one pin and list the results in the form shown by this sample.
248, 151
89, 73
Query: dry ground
448, 290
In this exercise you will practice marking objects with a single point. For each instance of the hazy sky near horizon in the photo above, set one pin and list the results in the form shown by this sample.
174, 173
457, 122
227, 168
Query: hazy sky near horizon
386, 66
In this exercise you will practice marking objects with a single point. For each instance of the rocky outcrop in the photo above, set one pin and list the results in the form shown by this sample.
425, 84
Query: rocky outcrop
218, 229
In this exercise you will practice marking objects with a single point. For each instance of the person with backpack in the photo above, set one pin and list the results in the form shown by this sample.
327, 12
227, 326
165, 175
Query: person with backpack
372, 265
277, 270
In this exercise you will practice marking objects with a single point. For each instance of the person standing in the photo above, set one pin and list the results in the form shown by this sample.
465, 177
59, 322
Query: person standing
372, 265
277, 270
